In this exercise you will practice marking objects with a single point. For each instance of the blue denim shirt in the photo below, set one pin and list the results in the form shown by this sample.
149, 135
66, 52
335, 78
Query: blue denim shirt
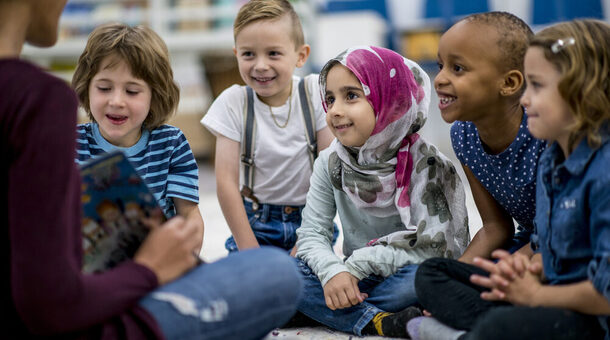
572, 223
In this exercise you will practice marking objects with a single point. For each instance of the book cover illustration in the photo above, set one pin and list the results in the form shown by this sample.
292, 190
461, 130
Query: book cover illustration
114, 200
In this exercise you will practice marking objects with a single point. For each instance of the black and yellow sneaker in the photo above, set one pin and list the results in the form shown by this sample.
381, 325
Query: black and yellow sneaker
391, 324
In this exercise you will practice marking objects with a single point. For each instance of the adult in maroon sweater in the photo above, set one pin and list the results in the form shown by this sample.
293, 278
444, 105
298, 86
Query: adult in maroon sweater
44, 291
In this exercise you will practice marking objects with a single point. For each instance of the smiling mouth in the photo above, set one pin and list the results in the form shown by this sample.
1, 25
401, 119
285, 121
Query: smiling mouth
116, 119
446, 100
342, 126
263, 79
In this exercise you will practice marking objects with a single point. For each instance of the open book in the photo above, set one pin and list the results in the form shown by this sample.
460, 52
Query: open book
115, 199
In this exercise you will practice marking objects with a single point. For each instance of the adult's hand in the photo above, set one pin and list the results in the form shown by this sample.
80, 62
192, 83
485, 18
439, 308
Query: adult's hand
168, 249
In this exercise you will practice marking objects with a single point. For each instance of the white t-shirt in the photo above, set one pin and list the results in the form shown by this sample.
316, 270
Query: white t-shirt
281, 160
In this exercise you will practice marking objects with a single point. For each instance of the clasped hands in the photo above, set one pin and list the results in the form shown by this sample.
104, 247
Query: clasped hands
514, 278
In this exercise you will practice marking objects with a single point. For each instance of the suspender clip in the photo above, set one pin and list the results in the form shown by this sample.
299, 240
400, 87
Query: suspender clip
247, 161
247, 192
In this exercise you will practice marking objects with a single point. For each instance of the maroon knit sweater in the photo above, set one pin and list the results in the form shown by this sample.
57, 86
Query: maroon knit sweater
45, 293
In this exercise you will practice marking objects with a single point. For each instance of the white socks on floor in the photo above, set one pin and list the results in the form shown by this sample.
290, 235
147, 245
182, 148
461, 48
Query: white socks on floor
428, 328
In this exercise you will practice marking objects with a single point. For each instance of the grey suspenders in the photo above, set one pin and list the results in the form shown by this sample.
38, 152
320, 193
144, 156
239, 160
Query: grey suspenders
249, 134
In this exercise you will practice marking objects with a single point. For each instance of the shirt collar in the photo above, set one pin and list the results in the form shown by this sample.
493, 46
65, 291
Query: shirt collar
580, 157
107, 146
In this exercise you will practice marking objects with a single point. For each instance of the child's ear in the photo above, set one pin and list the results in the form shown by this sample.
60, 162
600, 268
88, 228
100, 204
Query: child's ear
513, 82
234, 51
303, 53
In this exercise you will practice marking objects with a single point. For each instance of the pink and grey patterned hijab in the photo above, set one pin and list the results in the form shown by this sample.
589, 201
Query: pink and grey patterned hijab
396, 171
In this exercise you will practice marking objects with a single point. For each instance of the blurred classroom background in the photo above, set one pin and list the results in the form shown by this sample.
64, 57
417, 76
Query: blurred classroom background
200, 39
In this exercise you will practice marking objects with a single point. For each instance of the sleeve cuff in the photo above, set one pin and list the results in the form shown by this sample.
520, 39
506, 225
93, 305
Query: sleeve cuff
331, 272
599, 274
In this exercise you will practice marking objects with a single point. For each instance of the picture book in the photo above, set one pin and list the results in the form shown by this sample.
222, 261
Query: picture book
114, 199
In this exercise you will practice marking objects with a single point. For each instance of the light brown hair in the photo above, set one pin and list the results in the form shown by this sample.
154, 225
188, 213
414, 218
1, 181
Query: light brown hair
255, 10
147, 56
583, 60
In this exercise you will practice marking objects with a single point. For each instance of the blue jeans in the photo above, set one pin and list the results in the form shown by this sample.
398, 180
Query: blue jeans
273, 225
243, 296
392, 294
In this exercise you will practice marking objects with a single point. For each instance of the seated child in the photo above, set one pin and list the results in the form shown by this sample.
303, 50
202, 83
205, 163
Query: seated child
263, 206
567, 101
479, 83
399, 199
124, 82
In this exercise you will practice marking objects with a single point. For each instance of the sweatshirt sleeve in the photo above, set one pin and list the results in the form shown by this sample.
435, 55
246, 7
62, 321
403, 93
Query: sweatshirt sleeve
314, 237
382, 260
49, 290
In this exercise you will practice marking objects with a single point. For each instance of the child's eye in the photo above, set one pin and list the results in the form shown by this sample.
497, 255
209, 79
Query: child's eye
247, 54
103, 89
457, 68
132, 92
329, 100
440, 65
535, 84
352, 96
274, 53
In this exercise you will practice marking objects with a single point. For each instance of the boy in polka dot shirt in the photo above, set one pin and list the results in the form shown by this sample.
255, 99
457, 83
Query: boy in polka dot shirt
479, 84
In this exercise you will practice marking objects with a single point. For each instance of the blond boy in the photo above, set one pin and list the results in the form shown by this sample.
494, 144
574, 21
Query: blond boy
265, 209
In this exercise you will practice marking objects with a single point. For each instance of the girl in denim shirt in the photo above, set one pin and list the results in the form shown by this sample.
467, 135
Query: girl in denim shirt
563, 291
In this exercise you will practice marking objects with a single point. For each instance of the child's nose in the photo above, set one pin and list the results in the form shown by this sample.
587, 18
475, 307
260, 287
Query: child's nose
440, 79
116, 99
261, 64
524, 100
336, 110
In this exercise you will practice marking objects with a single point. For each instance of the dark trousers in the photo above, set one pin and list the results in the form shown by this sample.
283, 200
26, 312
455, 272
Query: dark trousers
443, 288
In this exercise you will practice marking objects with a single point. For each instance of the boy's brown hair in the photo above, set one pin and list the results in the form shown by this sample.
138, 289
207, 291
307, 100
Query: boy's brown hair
255, 10
514, 35
580, 50
147, 56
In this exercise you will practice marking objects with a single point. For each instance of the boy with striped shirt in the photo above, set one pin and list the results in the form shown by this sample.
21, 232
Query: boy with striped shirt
124, 82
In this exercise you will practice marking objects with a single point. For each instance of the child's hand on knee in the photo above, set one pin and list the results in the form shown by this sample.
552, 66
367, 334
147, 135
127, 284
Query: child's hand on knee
342, 291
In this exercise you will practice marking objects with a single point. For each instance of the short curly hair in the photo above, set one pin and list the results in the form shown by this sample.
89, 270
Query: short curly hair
514, 35
584, 67
148, 59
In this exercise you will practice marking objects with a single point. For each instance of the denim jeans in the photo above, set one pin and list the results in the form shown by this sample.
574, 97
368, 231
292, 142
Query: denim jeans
242, 296
391, 294
273, 225
444, 289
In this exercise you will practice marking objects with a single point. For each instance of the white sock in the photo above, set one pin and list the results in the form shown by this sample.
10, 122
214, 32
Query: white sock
428, 328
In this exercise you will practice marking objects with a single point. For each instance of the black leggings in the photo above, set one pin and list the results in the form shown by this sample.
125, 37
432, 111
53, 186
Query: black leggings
444, 289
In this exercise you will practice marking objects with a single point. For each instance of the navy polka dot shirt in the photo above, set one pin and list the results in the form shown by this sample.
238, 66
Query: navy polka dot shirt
510, 177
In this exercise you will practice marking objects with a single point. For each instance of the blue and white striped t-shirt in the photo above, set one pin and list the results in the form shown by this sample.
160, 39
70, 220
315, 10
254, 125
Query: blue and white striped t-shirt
162, 157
